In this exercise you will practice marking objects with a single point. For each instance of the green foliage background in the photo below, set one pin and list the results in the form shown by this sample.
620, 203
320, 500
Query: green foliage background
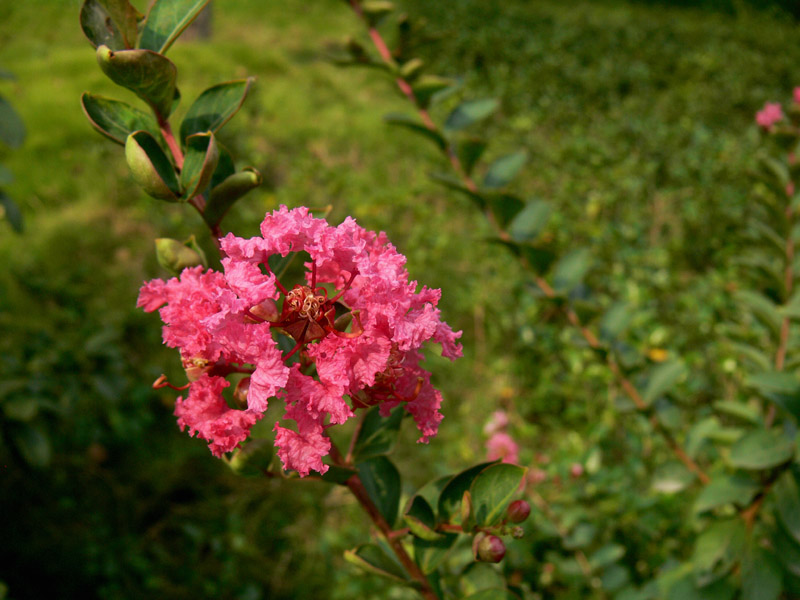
638, 120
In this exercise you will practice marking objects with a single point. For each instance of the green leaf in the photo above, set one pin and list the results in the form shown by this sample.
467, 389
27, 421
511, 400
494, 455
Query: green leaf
763, 308
224, 195
504, 207
781, 388
376, 10
726, 489
740, 410
530, 221
571, 269
410, 123
199, 164
12, 129
112, 23
615, 321
378, 434
11, 212
450, 498
6, 176
147, 74
252, 459
372, 559
606, 556
469, 151
492, 594
175, 256
492, 492
456, 184
756, 357
20, 409
338, 475
662, 379
787, 550
792, 307
761, 574
787, 503
467, 113
33, 444
761, 449
430, 554
503, 171
671, 478
429, 88
215, 107
420, 519
382, 482
717, 550
150, 166
166, 20
117, 120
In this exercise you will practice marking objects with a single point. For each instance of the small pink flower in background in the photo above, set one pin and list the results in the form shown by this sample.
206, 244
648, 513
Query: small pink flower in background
536, 476
796, 95
790, 189
502, 446
576, 470
769, 115
497, 422
225, 323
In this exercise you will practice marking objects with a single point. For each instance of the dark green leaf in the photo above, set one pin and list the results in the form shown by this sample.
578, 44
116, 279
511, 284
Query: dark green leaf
33, 444
224, 195
717, 549
376, 10
761, 574
450, 498
469, 152
467, 113
338, 475
378, 434
671, 478
503, 171
412, 124
150, 166
740, 410
781, 388
149, 75
456, 184
504, 207
20, 409
112, 23
580, 536
199, 164
215, 107
492, 492
11, 212
756, 357
606, 556
492, 594
763, 308
420, 519
429, 88
787, 502
615, 321
761, 449
6, 176
12, 129
430, 554
372, 559
726, 489
530, 221
382, 482
117, 120
571, 269
662, 379
166, 20
787, 550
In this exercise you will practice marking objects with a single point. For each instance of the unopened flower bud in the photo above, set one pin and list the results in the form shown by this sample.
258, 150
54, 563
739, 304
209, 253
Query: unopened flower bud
266, 310
240, 393
175, 256
518, 511
491, 549
517, 532
576, 470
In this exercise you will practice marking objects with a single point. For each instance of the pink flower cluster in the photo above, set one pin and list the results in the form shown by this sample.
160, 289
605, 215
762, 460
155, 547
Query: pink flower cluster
226, 323
500, 444
769, 115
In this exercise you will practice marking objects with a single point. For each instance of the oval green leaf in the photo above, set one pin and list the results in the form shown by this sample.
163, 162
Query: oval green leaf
787, 501
166, 20
215, 107
112, 23
761, 449
117, 120
150, 166
417, 127
727, 489
224, 195
467, 113
662, 379
12, 129
503, 171
12, 212
378, 434
149, 75
199, 164
530, 221
492, 491
381, 479
420, 519
450, 499
372, 559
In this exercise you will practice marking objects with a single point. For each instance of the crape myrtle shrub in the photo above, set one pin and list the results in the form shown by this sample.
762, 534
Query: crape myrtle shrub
210, 516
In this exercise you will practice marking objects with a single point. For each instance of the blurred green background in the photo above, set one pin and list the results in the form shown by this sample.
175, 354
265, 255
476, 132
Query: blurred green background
638, 121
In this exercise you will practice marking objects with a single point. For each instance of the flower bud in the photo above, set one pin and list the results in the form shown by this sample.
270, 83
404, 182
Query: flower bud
518, 511
490, 549
576, 470
175, 256
517, 532
240, 393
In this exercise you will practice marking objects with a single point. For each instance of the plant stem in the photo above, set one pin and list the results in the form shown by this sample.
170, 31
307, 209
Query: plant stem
545, 287
358, 490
